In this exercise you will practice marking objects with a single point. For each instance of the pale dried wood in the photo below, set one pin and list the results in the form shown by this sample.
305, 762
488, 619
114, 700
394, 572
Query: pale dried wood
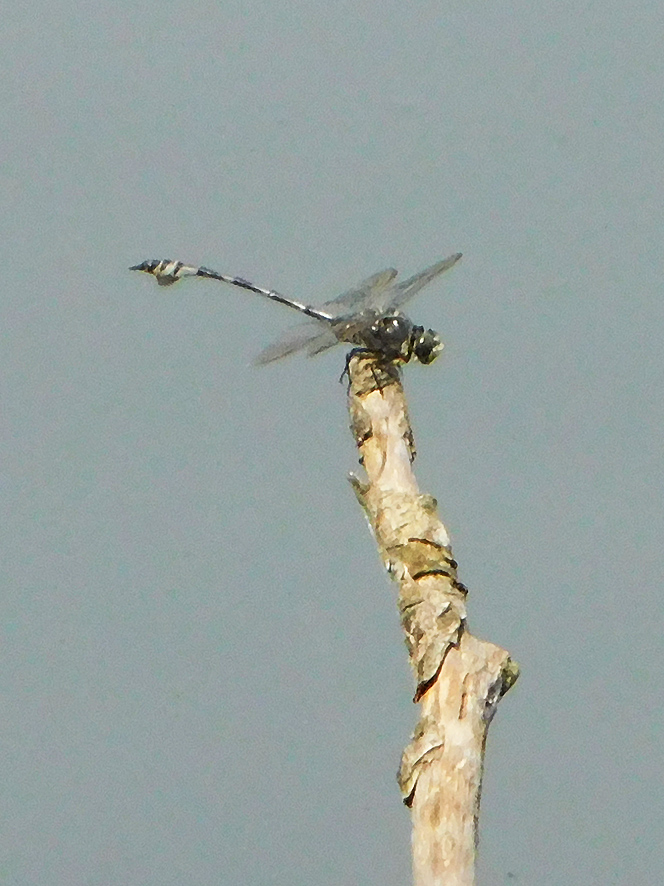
459, 679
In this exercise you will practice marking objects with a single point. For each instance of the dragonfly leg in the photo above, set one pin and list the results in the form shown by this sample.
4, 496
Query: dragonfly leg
384, 372
349, 356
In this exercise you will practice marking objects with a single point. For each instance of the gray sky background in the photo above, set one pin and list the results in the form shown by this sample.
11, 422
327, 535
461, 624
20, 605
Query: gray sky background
203, 673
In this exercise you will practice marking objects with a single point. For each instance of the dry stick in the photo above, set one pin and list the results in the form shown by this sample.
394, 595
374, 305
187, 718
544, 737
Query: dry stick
460, 679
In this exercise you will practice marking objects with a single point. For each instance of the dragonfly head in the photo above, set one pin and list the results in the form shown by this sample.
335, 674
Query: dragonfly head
425, 344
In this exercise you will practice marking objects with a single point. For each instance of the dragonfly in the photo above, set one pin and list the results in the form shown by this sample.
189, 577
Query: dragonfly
368, 316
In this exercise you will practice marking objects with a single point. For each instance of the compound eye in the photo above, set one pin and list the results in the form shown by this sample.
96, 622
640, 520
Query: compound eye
428, 346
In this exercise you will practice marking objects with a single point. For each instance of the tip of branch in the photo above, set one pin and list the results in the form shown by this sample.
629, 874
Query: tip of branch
368, 373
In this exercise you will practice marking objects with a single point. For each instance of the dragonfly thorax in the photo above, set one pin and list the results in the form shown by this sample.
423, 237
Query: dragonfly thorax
395, 338
388, 336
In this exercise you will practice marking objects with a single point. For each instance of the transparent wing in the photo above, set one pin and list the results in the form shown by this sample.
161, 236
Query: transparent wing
316, 338
361, 296
393, 298
312, 337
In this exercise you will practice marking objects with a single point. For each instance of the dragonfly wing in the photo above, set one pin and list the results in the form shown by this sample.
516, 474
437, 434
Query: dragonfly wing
396, 296
360, 296
312, 337
347, 329
323, 343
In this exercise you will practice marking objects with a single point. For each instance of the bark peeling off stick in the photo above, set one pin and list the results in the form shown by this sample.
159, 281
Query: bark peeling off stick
412, 540
459, 678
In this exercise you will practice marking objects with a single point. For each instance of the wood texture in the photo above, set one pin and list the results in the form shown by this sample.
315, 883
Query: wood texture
459, 679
